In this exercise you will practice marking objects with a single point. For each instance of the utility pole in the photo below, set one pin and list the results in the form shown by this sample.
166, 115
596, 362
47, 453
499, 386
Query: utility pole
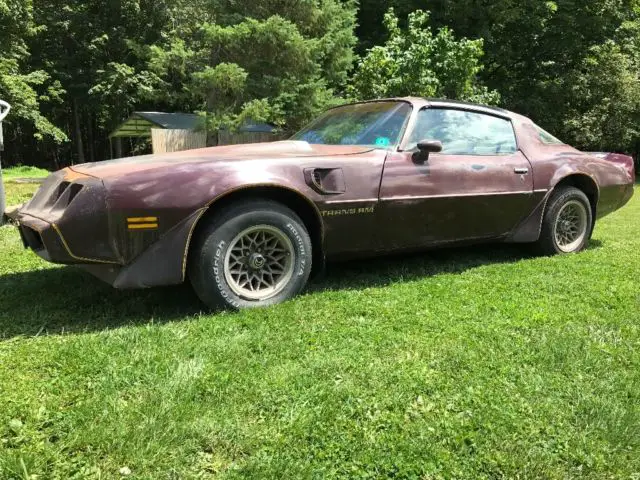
4, 111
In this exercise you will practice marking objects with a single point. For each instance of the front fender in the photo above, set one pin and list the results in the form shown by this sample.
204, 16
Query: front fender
163, 263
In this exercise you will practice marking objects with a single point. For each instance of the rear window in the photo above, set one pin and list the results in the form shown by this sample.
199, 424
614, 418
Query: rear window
547, 138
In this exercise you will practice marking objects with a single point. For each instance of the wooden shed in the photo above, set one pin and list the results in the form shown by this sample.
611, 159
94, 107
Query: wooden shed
171, 132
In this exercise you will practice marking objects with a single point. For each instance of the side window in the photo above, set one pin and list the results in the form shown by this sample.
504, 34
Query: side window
547, 138
465, 133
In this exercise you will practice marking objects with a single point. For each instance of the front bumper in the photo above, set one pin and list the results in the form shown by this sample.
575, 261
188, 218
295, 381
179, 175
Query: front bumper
41, 237
68, 222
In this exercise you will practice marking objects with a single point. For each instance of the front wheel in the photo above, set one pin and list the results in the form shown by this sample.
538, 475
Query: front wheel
256, 253
567, 223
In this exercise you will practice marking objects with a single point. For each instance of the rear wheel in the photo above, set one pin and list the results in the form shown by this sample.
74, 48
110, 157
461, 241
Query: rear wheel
254, 254
567, 223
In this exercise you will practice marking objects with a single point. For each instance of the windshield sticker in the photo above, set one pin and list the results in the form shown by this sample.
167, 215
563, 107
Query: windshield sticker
383, 142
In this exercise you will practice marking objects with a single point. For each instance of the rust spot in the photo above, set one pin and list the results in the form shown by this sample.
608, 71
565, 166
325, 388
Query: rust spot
72, 175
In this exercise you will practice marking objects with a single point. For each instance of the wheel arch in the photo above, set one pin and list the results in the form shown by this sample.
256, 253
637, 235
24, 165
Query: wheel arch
293, 199
587, 185
530, 230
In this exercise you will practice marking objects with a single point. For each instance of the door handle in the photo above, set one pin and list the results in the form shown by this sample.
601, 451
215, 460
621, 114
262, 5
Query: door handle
521, 171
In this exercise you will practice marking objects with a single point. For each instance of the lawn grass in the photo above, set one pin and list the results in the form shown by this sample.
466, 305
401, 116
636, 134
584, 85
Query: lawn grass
472, 363
22, 171
18, 193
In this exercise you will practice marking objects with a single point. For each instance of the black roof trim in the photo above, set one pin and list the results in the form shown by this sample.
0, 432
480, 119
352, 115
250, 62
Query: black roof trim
441, 103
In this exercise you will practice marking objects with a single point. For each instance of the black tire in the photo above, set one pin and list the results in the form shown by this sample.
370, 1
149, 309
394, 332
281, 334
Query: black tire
562, 199
210, 269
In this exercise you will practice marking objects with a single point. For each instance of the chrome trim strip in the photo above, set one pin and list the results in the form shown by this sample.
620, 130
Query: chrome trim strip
375, 200
491, 194
338, 202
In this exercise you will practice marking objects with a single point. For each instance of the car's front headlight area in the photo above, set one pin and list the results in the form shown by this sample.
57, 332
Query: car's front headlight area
67, 220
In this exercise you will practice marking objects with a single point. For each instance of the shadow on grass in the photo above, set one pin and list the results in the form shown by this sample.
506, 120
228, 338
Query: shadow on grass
69, 300
383, 271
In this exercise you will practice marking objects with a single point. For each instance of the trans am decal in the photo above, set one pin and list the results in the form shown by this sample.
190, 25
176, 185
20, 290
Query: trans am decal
348, 211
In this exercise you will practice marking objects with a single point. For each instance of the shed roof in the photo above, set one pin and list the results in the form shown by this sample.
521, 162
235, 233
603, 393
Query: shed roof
177, 121
139, 124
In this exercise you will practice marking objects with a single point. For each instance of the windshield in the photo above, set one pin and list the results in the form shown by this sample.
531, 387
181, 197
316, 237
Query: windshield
375, 124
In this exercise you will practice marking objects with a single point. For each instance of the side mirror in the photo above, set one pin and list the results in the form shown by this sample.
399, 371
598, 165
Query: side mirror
425, 148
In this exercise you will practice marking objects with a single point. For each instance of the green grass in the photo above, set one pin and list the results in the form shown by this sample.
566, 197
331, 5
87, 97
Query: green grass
22, 171
473, 363
17, 193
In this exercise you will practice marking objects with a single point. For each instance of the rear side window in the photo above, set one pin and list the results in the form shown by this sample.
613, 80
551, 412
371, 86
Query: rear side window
547, 138
465, 133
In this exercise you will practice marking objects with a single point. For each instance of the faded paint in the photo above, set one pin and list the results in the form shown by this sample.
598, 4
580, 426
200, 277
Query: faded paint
124, 216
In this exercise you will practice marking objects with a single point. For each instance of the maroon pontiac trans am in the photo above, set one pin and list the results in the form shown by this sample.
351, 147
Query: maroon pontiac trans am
247, 224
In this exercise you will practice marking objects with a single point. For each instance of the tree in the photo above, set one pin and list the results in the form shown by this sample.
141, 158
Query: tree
605, 113
280, 60
546, 58
76, 68
95, 61
19, 84
90, 48
418, 62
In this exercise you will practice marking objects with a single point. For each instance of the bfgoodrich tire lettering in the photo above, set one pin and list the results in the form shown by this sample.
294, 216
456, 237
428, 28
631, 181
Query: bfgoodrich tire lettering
255, 253
567, 223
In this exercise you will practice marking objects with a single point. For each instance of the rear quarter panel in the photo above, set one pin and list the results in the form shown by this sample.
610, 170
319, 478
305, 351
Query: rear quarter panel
553, 163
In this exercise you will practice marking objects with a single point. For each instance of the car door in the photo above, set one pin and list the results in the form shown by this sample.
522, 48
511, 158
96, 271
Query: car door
479, 187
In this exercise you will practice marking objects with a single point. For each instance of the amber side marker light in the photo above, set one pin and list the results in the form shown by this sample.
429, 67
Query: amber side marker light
142, 223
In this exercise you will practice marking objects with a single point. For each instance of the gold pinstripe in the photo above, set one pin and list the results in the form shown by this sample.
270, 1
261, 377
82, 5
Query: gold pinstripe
143, 226
66, 246
142, 220
186, 248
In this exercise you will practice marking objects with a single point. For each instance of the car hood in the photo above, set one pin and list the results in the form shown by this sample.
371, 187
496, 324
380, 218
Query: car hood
275, 152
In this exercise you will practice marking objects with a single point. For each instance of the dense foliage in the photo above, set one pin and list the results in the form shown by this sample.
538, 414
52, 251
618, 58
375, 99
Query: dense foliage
18, 83
573, 66
75, 69
415, 62
269, 60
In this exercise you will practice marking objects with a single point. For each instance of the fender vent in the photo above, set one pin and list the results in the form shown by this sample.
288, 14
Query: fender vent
61, 189
65, 194
328, 181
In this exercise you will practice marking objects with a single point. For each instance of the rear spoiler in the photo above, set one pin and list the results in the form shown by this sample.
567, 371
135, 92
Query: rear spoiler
625, 161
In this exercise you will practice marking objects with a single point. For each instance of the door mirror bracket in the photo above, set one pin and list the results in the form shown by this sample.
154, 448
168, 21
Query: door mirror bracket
426, 148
